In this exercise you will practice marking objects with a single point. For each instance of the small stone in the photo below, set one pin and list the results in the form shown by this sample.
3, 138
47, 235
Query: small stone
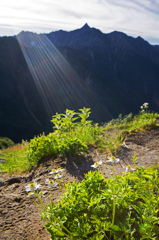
13, 197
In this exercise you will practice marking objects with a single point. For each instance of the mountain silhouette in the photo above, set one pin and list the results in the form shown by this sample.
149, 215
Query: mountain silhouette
41, 74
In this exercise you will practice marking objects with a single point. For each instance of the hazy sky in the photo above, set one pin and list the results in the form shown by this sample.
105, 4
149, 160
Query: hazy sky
134, 17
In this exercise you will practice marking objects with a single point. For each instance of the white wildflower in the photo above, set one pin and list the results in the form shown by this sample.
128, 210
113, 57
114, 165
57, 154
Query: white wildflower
57, 176
50, 183
41, 194
128, 168
32, 187
145, 104
60, 169
54, 171
96, 164
113, 159
30, 193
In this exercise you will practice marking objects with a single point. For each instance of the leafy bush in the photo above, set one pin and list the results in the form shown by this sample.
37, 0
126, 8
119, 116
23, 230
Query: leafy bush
5, 143
87, 208
69, 137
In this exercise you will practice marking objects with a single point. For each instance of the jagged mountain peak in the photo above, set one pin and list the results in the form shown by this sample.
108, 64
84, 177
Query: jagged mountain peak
86, 26
79, 38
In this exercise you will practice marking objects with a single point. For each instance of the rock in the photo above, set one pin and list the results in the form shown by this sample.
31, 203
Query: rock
2, 160
13, 180
13, 197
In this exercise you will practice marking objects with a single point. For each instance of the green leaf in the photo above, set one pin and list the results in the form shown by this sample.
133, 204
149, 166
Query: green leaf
115, 228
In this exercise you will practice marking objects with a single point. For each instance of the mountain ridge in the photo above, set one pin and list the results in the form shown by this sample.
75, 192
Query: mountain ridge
111, 73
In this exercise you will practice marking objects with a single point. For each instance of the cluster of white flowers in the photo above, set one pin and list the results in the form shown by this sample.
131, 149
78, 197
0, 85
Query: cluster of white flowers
114, 160
32, 188
145, 105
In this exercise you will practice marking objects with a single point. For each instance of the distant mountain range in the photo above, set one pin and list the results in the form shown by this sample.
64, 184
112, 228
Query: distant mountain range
41, 74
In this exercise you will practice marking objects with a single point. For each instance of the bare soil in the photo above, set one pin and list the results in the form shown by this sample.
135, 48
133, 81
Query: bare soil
20, 218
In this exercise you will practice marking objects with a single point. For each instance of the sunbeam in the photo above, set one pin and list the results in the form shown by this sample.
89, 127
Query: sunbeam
59, 85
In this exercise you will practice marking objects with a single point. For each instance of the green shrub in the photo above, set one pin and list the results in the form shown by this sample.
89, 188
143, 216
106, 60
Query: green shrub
69, 137
87, 207
6, 143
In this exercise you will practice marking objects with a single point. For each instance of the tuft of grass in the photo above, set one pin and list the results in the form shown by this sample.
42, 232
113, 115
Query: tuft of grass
16, 160
118, 129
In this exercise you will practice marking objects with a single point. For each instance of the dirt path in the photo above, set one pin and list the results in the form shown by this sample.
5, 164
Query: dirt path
20, 218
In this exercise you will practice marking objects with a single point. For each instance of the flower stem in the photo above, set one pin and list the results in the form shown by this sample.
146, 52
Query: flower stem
114, 197
42, 204
36, 203
101, 172
60, 185
63, 182
113, 170
50, 196
113, 211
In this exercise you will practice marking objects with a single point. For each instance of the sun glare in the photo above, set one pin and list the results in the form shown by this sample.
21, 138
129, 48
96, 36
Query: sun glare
59, 85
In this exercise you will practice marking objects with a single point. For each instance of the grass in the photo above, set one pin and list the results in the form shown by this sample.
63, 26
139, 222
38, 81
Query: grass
15, 159
118, 129
73, 137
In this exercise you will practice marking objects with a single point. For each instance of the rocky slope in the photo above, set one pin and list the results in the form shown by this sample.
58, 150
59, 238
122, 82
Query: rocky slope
20, 217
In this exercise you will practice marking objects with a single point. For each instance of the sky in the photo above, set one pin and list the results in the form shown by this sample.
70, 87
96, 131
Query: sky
133, 17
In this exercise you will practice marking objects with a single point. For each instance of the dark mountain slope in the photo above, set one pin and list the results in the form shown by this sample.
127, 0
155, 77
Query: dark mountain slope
20, 103
31, 94
47, 73
125, 70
